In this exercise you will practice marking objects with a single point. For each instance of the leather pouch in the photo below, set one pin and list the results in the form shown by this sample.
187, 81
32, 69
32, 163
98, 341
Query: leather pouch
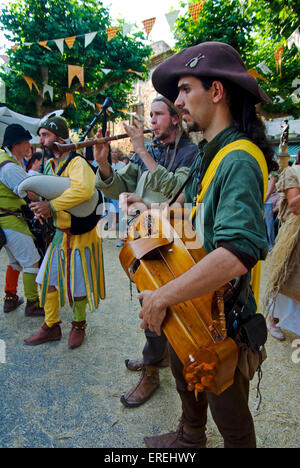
2, 238
251, 339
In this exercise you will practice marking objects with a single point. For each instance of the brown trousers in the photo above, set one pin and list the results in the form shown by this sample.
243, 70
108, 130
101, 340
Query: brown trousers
229, 410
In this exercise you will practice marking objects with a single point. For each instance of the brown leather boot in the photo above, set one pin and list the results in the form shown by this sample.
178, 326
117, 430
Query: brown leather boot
11, 302
77, 334
143, 390
33, 309
184, 437
45, 334
138, 364
134, 365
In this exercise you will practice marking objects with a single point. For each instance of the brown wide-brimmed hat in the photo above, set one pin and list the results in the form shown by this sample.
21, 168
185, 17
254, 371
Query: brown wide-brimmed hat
211, 59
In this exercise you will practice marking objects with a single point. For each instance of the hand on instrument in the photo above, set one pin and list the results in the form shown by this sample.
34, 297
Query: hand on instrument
33, 196
101, 150
41, 209
131, 203
136, 134
153, 312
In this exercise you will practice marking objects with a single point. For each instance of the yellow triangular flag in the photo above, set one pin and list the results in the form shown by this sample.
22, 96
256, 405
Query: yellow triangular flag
70, 41
31, 82
148, 25
111, 32
70, 99
195, 10
75, 70
278, 58
136, 72
44, 44
255, 74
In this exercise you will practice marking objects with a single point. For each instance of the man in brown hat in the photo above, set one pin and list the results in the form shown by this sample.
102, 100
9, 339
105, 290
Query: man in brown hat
217, 96
153, 175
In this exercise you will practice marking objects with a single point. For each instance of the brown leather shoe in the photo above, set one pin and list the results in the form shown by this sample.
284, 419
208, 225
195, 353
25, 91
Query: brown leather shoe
77, 334
11, 302
134, 365
33, 309
143, 390
184, 437
138, 364
45, 334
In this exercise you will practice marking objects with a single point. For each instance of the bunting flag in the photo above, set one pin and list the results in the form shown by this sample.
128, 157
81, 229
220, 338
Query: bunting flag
75, 70
2, 91
255, 74
89, 37
278, 59
264, 67
15, 47
60, 45
90, 103
148, 25
172, 17
111, 32
44, 44
99, 107
106, 70
295, 96
70, 41
70, 100
294, 39
126, 29
31, 82
48, 89
195, 10
5, 58
136, 72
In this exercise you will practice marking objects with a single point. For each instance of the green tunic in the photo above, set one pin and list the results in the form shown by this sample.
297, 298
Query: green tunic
233, 204
10, 201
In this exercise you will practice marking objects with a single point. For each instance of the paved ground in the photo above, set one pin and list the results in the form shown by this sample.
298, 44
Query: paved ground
55, 397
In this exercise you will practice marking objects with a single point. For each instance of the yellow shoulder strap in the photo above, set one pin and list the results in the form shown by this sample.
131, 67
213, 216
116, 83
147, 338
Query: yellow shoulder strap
252, 149
245, 145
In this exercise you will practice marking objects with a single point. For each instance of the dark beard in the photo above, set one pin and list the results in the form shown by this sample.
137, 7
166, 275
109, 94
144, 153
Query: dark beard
194, 127
49, 151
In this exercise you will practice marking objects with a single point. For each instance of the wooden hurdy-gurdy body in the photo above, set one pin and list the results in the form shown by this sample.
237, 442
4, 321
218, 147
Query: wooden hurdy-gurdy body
161, 246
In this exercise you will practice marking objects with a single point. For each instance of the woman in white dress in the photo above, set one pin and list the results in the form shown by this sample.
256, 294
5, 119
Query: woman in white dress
282, 295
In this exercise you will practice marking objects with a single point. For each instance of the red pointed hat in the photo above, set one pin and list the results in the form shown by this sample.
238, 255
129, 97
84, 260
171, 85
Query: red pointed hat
211, 59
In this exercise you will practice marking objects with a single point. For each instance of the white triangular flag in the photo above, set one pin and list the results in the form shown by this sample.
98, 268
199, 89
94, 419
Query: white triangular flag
60, 45
89, 37
126, 28
5, 58
48, 89
264, 67
89, 103
172, 17
105, 70
278, 99
294, 39
2, 92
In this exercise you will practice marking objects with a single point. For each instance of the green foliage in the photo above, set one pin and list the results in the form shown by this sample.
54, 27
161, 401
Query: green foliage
256, 29
39, 20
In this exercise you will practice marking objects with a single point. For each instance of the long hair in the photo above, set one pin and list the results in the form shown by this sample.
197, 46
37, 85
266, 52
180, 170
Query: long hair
173, 110
245, 118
